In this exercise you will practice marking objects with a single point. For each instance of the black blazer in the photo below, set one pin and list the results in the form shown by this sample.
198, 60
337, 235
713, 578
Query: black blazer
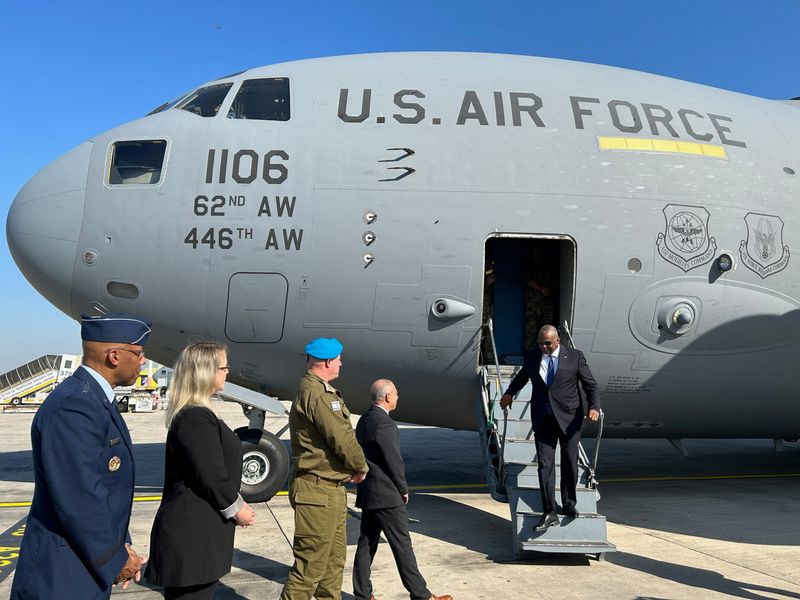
191, 542
386, 481
563, 393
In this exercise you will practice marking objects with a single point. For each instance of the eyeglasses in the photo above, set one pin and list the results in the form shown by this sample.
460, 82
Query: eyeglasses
546, 342
138, 353
225, 368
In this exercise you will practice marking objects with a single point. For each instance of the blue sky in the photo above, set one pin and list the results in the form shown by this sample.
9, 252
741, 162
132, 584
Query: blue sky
71, 70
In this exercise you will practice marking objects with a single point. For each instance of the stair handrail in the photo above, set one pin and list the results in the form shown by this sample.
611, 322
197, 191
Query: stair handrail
498, 381
490, 420
582, 456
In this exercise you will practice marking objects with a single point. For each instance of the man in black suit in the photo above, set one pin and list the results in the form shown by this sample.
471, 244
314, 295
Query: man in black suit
382, 498
556, 415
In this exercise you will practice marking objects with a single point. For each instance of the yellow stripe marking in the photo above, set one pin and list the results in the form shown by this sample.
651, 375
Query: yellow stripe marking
697, 477
715, 151
612, 143
605, 142
460, 486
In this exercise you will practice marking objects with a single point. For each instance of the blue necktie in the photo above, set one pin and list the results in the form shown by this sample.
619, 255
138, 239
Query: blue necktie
551, 370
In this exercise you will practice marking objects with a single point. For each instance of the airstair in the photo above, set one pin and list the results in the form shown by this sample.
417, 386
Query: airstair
510, 464
36, 376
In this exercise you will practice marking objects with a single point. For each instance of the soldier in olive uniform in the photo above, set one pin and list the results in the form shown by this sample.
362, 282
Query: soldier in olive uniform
325, 456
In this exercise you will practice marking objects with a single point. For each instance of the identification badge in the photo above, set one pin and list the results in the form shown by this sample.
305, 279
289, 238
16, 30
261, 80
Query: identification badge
114, 463
335, 405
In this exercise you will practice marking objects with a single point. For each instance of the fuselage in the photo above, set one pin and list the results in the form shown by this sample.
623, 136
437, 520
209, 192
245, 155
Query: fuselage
371, 189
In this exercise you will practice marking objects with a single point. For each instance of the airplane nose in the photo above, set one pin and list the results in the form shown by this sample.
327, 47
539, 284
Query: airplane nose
44, 225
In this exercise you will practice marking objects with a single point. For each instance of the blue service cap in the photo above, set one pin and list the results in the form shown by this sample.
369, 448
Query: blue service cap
118, 328
324, 348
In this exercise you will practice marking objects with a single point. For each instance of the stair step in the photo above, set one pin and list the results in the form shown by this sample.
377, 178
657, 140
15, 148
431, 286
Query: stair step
519, 410
587, 527
572, 547
529, 501
530, 481
526, 476
516, 429
519, 451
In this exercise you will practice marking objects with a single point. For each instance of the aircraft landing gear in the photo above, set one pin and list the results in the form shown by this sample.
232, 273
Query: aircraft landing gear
265, 464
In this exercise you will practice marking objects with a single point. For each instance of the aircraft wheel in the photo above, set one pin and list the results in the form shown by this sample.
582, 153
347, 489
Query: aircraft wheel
265, 464
16, 401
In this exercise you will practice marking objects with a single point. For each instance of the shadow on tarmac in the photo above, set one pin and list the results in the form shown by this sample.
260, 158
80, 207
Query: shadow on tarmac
461, 525
695, 578
709, 508
260, 566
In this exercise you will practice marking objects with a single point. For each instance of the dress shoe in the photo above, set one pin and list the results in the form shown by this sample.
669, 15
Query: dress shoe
547, 520
569, 510
445, 597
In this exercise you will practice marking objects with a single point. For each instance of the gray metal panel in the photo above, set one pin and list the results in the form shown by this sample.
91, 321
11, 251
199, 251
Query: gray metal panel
398, 305
256, 307
247, 397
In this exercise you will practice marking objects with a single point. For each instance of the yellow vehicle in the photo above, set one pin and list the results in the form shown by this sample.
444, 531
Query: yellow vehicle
143, 396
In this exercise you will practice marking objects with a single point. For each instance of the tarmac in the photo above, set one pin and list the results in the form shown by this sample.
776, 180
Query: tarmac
721, 523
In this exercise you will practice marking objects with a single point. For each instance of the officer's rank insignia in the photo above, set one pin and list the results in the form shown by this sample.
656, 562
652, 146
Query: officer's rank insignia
335, 405
114, 463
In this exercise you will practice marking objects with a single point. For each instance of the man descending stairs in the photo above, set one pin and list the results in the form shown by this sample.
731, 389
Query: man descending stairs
528, 468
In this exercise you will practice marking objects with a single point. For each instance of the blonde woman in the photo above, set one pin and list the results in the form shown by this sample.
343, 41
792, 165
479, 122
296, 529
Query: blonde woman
191, 544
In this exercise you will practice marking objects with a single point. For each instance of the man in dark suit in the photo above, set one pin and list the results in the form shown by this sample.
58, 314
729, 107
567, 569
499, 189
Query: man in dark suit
556, 415
76, 542
382, 498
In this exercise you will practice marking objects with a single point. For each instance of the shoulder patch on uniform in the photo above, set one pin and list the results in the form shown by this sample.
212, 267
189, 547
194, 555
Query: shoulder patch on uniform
336, 405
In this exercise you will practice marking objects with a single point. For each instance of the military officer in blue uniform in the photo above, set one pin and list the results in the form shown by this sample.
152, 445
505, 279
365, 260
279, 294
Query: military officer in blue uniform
76, 543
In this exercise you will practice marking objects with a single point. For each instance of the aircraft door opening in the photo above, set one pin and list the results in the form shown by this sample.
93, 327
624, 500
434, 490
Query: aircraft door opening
528, 282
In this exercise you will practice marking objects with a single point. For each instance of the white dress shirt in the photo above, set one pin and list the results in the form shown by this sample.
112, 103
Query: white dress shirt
546, 363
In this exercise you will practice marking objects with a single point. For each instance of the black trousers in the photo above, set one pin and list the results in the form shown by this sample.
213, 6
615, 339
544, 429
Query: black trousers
546, 438
204, 591
393, 522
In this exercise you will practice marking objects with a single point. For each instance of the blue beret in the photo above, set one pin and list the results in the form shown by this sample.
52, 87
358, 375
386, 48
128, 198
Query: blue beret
324, 348
115, 327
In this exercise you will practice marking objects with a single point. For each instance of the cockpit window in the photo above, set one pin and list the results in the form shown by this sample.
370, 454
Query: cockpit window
205, 101
262, 99
137, 162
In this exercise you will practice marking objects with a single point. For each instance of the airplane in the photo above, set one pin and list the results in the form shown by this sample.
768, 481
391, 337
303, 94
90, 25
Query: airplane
399, 201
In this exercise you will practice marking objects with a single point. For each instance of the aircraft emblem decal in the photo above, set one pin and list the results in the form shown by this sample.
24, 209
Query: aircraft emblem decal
685, 242
406, 152
763, 251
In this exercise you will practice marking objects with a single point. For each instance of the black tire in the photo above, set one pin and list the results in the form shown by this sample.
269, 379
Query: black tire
16, 401
122, 405
265, 464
